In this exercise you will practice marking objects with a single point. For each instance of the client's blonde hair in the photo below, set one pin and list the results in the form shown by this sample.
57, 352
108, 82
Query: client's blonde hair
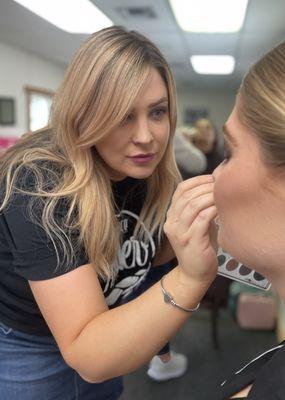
261, 104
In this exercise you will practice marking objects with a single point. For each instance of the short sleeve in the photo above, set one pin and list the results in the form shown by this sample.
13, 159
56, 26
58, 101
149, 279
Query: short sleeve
33, 252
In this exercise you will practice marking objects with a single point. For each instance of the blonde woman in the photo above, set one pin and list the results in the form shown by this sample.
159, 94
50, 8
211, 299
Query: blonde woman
83, 205
249, 194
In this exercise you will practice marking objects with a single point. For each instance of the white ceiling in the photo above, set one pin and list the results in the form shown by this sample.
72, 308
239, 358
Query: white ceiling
264, 27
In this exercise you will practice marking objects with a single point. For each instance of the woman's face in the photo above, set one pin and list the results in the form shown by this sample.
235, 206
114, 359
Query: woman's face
136, 147
250, 201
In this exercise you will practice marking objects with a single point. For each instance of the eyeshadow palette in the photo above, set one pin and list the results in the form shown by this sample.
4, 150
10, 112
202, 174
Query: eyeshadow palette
233, 269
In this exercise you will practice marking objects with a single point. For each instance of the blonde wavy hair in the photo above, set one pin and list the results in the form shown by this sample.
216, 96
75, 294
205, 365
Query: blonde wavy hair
98, 91
261, 104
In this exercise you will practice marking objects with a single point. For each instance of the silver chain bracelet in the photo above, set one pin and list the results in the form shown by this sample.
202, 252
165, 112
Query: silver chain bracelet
170, 300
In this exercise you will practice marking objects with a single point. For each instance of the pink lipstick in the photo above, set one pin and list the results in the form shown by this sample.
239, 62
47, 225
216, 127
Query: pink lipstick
142, 158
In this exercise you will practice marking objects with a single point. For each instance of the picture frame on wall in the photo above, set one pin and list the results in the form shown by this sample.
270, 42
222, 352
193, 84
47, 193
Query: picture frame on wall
7, 111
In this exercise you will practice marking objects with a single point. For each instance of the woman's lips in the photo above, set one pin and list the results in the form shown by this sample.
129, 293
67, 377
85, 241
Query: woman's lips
142, 158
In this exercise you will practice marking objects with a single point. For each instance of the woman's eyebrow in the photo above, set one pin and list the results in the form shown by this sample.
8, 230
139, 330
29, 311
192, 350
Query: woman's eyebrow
229, 136
156, 103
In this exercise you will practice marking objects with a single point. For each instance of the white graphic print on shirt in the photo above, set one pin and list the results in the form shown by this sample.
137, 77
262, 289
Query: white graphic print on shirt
133, 261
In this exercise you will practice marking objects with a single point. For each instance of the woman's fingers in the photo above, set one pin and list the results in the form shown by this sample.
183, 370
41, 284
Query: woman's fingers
193, 209
177, 226
198, 191
202, 225
191, 184
188, 227
190, 195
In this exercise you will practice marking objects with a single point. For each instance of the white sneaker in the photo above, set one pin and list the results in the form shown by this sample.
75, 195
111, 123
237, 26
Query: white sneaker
162, 371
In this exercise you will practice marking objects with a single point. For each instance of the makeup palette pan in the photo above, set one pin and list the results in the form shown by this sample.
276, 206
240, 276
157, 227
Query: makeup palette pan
233, 269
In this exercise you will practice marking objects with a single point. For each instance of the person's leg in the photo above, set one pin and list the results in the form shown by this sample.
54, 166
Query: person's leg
32, 368
167, 365
108, 390
164, 354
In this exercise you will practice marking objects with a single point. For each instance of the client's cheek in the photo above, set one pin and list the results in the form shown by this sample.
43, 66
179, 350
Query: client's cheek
218, 195
225, 202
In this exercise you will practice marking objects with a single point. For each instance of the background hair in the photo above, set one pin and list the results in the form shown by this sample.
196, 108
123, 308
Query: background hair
99, 88
261, 104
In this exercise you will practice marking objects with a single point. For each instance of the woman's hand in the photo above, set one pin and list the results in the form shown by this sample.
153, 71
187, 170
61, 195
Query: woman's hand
191, 230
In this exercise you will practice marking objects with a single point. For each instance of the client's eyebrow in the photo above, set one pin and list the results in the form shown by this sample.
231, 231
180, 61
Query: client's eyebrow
229, 136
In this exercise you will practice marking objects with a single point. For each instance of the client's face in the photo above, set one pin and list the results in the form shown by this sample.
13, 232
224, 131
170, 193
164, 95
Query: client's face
250, 202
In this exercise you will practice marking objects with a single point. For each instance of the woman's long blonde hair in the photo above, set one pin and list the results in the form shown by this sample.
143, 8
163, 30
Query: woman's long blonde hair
261, 104
98, 90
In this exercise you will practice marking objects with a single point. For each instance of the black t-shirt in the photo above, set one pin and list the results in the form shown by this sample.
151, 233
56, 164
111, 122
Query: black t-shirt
265, 372
27, 253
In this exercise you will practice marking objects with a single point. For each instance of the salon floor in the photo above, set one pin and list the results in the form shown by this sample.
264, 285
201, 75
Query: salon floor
207, 367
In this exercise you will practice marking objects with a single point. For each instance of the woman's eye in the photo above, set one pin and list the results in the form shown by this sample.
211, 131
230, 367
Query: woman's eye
159, 113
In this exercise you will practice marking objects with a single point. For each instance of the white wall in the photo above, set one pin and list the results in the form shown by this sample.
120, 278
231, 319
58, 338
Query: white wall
219, 104
17, 70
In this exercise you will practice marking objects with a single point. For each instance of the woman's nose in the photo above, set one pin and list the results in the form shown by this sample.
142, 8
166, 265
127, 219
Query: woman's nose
143, 133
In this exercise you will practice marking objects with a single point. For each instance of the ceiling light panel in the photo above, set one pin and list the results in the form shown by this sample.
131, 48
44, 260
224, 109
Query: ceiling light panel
213, 65
73, 16
210, 16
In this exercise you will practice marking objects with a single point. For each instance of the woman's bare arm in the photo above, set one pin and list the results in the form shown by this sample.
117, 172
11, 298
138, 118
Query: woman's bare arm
100, 343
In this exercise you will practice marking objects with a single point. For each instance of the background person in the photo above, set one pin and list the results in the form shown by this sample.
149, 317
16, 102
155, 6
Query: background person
207, 141
190, 160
